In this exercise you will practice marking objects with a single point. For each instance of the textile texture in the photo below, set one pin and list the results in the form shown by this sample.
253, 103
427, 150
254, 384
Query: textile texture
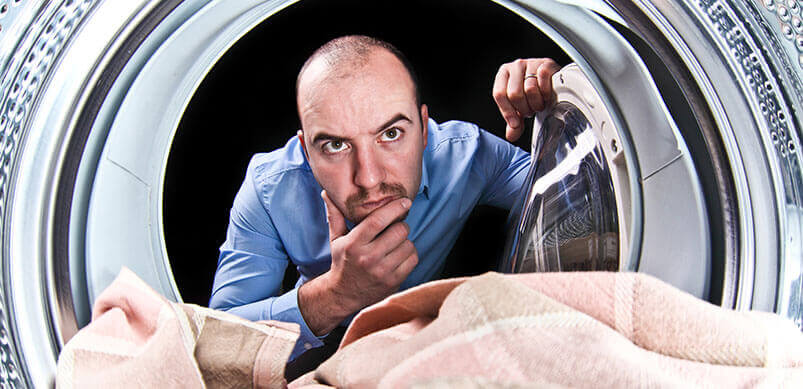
561, 329
525, 330
138, 338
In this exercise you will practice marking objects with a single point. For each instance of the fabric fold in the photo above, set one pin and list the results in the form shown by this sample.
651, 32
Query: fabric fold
137, 338
561, 329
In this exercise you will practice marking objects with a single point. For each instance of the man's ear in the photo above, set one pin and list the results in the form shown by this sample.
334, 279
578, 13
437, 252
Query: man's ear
300, 134
425, 122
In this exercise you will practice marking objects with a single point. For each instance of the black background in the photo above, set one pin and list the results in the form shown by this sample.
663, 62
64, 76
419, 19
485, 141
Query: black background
246, 105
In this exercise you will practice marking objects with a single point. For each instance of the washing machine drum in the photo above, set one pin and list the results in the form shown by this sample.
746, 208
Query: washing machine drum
674, 148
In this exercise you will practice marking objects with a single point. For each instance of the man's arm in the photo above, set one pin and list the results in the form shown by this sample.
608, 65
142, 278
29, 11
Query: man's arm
251, 268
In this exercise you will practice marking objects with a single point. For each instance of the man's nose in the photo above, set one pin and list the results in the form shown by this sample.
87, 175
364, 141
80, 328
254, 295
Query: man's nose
368, 169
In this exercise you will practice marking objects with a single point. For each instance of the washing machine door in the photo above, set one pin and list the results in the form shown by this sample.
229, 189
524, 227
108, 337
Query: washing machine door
595, 199
675, 149
574, 210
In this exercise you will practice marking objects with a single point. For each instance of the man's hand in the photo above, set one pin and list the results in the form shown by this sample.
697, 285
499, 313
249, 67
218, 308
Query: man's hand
368, 264
522, 88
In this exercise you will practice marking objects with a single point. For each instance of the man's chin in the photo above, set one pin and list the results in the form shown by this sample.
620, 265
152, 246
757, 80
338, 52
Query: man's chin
363, 217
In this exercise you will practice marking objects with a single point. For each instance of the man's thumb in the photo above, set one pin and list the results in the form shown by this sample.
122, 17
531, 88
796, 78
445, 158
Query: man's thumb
337, 223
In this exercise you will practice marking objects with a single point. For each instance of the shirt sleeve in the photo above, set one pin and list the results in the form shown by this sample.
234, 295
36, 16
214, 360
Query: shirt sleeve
251, 268
504, 167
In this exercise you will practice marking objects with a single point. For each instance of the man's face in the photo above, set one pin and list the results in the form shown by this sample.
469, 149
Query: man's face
363, 133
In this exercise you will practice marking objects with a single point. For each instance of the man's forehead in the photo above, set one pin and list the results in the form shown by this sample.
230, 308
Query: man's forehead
379, 64
370, 94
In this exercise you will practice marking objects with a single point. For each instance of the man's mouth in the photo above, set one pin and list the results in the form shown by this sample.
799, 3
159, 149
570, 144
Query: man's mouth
370, 205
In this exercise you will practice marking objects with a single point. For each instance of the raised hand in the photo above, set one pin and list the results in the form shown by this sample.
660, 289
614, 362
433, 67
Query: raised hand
368, 264
522, 88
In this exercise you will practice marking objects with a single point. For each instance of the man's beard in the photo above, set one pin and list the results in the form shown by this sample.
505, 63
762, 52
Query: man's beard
354, 201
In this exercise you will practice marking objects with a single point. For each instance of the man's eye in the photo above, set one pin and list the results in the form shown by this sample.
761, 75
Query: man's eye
334, 146
391, 134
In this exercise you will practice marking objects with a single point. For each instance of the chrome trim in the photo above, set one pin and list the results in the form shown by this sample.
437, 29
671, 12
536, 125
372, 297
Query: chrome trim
35, 308
25, 77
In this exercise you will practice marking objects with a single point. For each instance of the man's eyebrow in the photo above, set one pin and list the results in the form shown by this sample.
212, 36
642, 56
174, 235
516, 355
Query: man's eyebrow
322, 136
399, 116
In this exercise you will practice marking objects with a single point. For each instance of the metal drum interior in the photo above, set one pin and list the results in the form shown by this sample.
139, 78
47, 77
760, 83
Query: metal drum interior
704, 99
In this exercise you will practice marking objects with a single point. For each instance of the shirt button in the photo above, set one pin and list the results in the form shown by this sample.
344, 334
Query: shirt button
307, 346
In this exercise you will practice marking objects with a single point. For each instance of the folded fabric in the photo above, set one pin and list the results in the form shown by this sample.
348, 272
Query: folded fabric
138, 338
560, 329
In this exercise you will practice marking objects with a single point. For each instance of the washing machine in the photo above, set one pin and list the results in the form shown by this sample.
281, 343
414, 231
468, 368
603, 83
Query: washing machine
673, 149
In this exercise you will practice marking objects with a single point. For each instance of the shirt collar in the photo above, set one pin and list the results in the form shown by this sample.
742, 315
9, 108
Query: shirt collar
424, 187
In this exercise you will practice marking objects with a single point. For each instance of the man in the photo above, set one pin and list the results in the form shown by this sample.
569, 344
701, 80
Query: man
370, 196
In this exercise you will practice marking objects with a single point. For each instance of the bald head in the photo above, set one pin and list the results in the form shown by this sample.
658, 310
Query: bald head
343, 57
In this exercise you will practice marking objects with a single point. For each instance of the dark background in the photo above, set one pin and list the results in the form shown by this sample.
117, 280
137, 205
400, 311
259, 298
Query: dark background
246, 105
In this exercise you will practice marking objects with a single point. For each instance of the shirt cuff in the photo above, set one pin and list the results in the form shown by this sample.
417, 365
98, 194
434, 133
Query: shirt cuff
285, 308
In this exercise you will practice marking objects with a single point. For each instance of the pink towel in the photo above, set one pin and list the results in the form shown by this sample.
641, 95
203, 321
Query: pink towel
546, 329
139, 339
561, 329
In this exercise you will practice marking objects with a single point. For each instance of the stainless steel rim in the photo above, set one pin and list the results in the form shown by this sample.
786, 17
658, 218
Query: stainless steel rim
66, 138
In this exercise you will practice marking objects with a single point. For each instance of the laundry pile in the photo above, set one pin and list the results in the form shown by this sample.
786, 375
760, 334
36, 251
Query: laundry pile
543, 329
138, 339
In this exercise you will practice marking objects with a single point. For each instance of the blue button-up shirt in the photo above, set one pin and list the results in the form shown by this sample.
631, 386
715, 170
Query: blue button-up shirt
278, 217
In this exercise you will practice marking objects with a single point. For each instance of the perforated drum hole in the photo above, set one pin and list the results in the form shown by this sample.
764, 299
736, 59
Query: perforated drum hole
3, 9
774, 137
783, 13
788, 33
791, 146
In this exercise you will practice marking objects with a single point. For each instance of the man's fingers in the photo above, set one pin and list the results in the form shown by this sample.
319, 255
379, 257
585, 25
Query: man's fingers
545, 71
515, 88
532, 86
337, 223
507, 110
406, 267
513, 134
390, 264
390, 238
376, 222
